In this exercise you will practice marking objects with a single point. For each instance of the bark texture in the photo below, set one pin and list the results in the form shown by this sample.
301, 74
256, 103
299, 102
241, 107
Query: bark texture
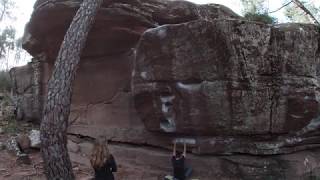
57, 109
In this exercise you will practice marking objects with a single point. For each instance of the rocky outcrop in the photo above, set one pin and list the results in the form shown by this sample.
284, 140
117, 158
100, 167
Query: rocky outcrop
253, 83
24, 142
27, 83
107, 60
156, 71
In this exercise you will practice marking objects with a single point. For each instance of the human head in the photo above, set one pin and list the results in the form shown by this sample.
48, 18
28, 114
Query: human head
100, 152
178, 154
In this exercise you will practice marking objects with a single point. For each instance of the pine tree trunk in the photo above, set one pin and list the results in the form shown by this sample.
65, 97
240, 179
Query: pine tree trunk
57, 109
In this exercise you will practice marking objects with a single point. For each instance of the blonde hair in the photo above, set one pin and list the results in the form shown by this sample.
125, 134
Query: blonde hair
100, 153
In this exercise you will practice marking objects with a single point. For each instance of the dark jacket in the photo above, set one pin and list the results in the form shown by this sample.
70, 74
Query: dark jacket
178, 168
106, 171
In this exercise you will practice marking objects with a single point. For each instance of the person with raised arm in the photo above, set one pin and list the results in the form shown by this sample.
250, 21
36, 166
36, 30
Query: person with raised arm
180, 170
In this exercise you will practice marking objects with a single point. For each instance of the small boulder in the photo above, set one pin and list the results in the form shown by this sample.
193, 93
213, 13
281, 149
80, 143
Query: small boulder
76, 168
34, 136
24, 142
12, 146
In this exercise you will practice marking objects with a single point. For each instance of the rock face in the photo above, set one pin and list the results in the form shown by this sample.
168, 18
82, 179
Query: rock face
27, 83
227, 77
155, 71
231, 78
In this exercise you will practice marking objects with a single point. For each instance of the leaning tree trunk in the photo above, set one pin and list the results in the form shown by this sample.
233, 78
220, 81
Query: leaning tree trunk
57, 109
308, 13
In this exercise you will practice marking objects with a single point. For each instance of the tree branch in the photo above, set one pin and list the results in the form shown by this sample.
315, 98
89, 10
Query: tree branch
3, 11
280, 7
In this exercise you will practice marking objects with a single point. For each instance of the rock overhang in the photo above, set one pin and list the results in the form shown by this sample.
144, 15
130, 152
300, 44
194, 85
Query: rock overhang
118, 26
111, 33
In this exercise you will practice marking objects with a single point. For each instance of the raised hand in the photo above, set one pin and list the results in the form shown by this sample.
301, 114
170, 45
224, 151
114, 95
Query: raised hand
174, 148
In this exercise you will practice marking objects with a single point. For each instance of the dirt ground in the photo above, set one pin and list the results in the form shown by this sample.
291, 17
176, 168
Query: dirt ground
11, 169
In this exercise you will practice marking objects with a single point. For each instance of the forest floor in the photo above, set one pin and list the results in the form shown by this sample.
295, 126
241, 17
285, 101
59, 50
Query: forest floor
11, 169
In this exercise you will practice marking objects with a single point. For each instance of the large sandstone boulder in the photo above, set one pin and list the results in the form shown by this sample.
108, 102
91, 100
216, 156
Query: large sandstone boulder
156, 71
102, 100
230, 78
227, 77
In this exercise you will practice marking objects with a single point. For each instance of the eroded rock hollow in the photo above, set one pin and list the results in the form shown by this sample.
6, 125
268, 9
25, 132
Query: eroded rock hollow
157, 70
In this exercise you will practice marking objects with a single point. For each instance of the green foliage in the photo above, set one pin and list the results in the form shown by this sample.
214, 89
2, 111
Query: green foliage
5, 81
9, 44
255, 10
263, 18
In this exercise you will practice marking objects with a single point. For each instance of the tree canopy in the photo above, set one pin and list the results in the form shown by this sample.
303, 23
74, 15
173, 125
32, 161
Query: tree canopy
7, 41
256, 10
5, 9
299, 11
10, 44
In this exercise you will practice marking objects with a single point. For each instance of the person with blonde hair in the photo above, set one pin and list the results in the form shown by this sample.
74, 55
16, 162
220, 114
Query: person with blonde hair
102, 160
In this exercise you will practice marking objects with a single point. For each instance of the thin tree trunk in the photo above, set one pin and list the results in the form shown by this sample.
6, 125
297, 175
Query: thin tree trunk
57, 109
4, 10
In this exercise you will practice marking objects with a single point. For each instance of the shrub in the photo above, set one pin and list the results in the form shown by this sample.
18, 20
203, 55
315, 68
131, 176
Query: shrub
263, 18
